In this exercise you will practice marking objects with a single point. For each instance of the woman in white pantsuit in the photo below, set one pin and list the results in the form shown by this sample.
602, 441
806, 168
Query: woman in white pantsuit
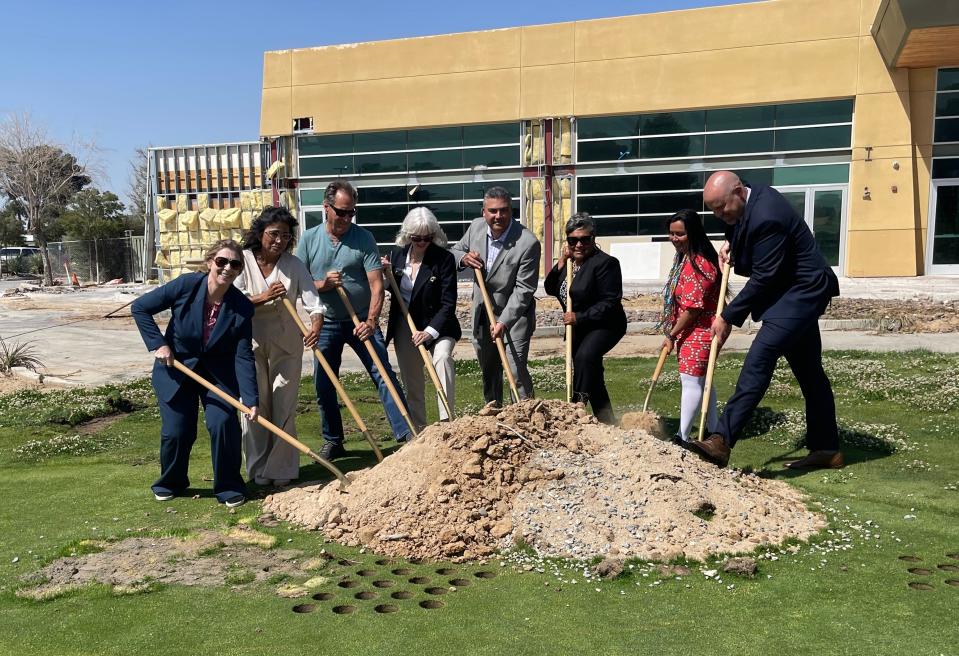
272, 272
426, 274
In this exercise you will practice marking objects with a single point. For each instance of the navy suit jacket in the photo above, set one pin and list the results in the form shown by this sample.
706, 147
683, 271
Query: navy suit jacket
597, 292
433, 301
788, 276
227, 357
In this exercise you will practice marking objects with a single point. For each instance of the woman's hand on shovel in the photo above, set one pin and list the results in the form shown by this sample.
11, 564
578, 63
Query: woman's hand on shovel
252, 414
164, 355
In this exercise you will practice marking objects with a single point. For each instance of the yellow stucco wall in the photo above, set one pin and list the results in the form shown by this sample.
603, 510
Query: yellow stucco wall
763, 52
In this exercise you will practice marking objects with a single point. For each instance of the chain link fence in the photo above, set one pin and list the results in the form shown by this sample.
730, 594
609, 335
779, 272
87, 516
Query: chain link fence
98, 260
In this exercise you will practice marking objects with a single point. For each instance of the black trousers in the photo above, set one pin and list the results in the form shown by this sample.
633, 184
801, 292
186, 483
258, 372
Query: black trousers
589, 383
799, 341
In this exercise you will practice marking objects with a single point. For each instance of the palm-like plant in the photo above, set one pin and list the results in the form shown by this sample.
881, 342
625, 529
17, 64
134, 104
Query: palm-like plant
18, 354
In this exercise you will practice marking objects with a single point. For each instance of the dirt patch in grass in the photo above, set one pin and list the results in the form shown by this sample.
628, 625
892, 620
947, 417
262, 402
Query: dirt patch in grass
209, 558
545, 474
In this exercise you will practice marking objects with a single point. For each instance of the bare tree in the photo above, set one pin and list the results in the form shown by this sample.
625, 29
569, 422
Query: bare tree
138, 185
41, 176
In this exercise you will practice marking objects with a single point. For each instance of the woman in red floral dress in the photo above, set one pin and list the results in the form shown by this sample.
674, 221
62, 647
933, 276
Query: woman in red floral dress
690, 297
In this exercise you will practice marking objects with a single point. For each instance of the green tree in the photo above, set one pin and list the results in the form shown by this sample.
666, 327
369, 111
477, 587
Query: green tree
11, 225
92, 214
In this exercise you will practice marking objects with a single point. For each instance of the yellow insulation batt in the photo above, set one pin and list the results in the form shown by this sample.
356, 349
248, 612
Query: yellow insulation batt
182, 203
160, 260
275, 168
266, 198
208, 218
167, 239
189, 220
246, 200
161, 203
202, 201
167, 219
246, 220
229, 218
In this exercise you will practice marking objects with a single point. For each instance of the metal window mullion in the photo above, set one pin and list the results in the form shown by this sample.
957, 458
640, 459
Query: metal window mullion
669, 135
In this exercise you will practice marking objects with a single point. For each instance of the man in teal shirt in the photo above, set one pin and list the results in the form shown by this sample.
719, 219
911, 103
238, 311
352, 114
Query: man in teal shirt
341, 254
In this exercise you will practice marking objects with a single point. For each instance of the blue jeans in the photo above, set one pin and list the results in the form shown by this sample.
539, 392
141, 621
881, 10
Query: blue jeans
333, 336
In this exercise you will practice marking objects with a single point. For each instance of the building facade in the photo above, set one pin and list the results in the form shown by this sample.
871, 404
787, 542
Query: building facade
849, 107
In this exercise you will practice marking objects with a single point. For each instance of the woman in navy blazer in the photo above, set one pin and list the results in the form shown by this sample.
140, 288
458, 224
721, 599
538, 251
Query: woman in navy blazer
210, 331
426, 274
597, 316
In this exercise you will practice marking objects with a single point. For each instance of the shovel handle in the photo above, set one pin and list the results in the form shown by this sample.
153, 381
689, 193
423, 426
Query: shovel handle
663, 354
713, 354
514, 392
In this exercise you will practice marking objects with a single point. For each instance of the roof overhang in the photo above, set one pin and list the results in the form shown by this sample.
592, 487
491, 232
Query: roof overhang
918, 33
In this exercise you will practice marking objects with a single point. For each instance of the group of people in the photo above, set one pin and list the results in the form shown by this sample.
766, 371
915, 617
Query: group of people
230, 324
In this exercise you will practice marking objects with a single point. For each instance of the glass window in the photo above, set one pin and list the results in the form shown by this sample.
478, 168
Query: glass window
740, 118
741, 142
608, 184
811, 113
447, 211
436, 160
691, 146
607, 126
807, 175
673, 123
798, 201
426, 193
384, 234
437, 138
669, 181
312, 196
945, 244
500, 156
827, 220
756, 176
947, 104
948, 79
326, 166
653, 225
712, 225
482, 135
454, 231
474, 210
947, 130
380, 162
374, 141
381, 195
670, 203
945, 168
609, 204
313, 219
599, 151
475, 190
814, 138
326, 144
616, 227
381, 214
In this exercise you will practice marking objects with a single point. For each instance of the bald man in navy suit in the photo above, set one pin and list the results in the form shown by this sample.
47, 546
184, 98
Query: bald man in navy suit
789, 287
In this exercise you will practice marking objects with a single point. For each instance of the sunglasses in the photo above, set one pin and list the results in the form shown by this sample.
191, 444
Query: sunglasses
223, 261
276, 235
421, 238
342, 213
585, 241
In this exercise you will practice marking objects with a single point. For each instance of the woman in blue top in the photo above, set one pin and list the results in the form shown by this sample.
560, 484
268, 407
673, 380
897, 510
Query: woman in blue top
210, 331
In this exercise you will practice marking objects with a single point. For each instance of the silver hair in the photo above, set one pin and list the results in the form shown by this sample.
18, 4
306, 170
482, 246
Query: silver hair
581, 221
498, 193
420, 220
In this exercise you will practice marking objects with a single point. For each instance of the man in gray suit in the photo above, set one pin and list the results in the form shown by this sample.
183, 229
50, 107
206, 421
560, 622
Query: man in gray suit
509, 256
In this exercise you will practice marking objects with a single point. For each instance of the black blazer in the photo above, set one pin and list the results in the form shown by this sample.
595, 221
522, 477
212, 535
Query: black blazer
597, 291
433, 301
228, 355
788, 276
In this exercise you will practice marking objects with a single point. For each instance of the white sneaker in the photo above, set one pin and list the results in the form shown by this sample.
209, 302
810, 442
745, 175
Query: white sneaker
163, 497
238, 500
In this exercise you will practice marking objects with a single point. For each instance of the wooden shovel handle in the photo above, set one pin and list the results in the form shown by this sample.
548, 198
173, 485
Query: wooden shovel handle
713, 354
325, 365
663, 354
267, 424
499, 340
569, 332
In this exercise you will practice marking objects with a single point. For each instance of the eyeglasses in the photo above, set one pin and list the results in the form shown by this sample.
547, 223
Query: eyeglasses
421, 238
223, 261
276, 235
585, 241
342, 213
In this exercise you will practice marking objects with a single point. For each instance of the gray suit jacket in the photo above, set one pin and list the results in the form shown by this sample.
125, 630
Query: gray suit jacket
512, 279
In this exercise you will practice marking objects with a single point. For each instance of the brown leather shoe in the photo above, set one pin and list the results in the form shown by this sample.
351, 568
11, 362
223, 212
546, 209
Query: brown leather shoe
818, 460
713, 449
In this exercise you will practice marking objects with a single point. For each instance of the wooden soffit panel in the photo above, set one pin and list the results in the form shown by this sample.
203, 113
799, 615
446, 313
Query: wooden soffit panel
917, 33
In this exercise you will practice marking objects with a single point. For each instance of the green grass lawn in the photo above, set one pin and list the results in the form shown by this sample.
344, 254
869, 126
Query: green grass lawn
846, 592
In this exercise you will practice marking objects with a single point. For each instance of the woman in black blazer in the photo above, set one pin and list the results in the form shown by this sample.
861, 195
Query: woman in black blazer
426, 274
598, 318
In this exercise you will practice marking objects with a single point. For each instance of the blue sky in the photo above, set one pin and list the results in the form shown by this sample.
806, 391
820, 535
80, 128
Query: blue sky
132, 73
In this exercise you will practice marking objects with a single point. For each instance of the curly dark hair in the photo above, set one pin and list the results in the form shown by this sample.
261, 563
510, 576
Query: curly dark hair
253, 239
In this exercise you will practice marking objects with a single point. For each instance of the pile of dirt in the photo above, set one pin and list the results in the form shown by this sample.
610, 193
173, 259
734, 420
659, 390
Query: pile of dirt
545, 473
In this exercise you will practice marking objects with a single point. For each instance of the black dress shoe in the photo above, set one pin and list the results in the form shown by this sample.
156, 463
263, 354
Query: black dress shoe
713, 449
332, 450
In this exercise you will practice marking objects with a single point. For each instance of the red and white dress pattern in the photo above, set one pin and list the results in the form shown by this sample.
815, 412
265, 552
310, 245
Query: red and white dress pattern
696, 291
